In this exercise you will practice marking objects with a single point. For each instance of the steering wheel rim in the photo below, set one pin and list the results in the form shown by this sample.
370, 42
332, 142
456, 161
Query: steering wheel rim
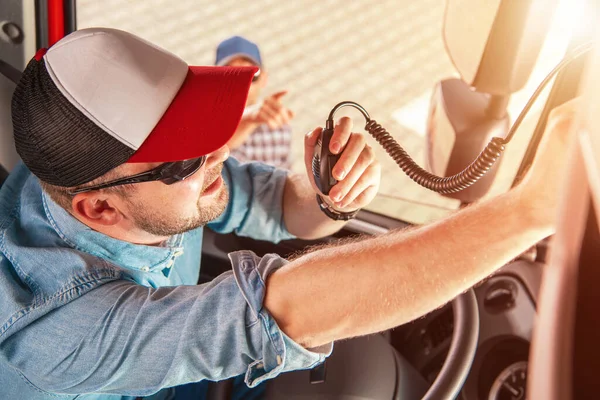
456, 368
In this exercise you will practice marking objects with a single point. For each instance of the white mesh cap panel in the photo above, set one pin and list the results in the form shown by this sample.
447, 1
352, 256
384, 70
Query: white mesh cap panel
122, 83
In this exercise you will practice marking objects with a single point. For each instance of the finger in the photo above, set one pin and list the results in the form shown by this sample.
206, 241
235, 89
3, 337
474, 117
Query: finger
284, 118
286, 115
273, 106
370, 178
272, 116
341, 134
264, 113
273, 103
364, 198
351, 152
283, 114
263, 117
310, 141
340, 191
277, 120
278, 95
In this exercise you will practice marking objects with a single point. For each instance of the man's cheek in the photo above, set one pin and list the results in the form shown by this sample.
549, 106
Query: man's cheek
194, 186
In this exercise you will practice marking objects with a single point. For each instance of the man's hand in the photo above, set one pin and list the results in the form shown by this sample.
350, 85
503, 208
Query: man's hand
272, 112
358, 175
542, 183
357, 171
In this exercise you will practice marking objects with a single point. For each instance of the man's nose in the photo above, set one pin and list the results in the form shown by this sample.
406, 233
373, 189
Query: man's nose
217, 157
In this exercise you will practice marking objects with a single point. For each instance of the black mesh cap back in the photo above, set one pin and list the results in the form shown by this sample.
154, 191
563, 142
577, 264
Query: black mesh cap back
56, 141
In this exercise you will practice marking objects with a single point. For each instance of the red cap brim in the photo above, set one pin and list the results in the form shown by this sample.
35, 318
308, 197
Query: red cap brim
202, 117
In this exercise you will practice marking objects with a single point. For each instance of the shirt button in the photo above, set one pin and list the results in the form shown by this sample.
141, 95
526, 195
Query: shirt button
170, 264
278, 360
145, 268
178, 253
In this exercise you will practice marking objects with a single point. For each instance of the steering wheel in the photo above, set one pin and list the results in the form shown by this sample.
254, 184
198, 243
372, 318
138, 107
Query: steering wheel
463, 347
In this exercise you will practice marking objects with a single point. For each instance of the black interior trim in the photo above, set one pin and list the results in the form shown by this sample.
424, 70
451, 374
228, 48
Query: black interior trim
14, 75
70, 7
41, 24
10, 72
381, 220
3, 175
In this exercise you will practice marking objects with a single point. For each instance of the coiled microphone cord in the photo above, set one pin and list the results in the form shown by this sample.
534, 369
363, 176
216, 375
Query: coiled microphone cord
479, 167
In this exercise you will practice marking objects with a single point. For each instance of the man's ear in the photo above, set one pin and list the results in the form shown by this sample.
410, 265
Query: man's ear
95, 208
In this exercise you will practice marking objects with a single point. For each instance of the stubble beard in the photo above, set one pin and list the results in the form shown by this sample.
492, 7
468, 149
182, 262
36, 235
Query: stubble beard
170, 224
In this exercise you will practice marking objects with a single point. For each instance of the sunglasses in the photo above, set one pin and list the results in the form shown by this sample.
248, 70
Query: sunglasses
168, 173
256, 76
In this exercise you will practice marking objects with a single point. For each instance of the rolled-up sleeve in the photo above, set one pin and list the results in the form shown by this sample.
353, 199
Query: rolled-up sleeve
127, 339
255, 201
280, 353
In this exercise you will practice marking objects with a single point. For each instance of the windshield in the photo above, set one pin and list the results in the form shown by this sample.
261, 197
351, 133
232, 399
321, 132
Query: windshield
387, 56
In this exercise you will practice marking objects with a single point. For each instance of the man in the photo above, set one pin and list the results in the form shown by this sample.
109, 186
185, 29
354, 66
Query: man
264, 133
97, 285
98, 269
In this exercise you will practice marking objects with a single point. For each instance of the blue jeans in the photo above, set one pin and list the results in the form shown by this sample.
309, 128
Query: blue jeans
198, 390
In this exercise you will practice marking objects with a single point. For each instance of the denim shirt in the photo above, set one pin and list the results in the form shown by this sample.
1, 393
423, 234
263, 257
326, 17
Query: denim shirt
87, 316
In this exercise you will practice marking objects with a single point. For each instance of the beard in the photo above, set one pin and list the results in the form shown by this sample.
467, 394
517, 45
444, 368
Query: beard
170, 224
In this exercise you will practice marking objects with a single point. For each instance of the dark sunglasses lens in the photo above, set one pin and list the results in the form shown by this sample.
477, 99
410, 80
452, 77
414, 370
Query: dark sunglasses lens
181, 170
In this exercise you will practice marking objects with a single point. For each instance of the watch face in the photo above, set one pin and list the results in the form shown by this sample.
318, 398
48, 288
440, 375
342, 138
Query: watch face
511, 383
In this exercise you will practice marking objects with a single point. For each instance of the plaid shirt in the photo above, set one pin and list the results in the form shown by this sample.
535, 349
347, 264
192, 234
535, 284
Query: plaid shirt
271, 146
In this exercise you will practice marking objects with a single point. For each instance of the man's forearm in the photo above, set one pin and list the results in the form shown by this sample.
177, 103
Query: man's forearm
379, 283
301, 213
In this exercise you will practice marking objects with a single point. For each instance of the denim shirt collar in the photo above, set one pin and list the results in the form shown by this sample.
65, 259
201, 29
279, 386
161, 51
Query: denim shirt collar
124, 254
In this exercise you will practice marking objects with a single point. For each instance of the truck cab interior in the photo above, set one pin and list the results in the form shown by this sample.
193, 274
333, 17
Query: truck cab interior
527, 331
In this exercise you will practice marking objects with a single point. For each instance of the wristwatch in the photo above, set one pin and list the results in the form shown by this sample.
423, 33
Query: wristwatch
334, 214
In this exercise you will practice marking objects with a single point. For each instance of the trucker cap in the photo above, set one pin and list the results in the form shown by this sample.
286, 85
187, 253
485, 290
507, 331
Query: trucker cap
101, 97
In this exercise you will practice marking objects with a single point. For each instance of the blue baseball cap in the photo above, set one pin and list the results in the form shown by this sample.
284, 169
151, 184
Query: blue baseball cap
237, 46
